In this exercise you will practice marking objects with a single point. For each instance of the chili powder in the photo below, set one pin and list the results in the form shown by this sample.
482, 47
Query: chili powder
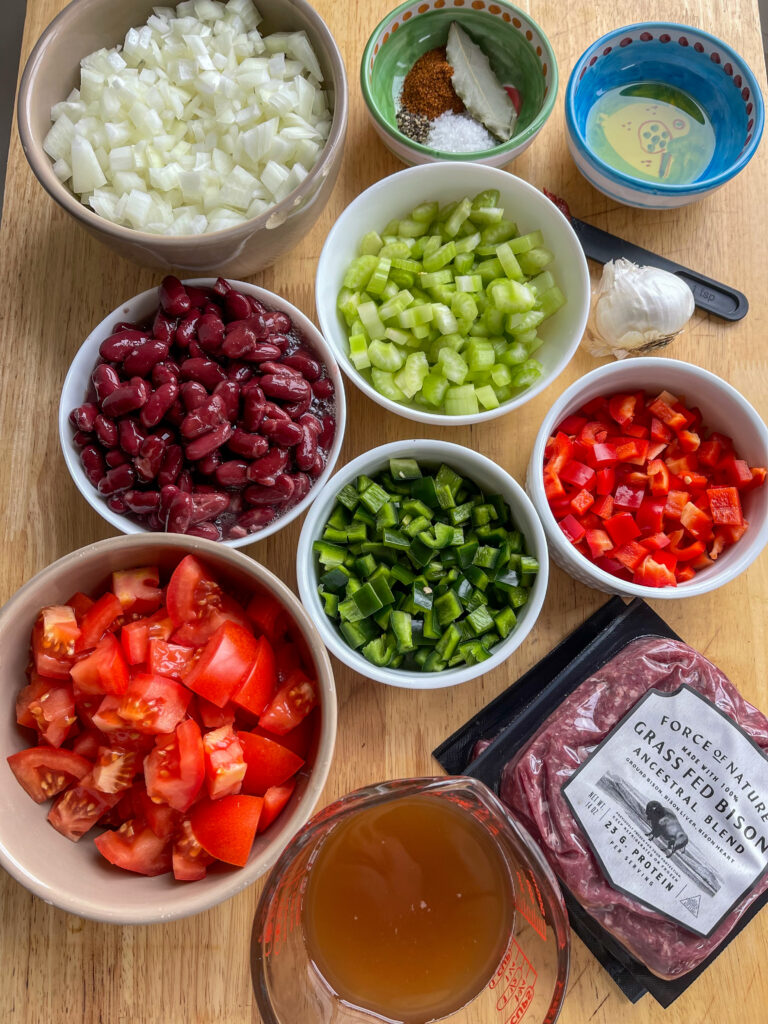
427, 88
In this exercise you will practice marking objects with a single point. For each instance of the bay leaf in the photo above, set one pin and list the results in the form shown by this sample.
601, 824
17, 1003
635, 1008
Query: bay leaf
477, 86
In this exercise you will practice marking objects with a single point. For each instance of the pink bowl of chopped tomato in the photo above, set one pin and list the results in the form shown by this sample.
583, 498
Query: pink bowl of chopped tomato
171, 716
650, 480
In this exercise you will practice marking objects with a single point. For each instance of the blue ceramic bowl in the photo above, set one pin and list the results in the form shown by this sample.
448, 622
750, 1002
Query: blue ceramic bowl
686, 58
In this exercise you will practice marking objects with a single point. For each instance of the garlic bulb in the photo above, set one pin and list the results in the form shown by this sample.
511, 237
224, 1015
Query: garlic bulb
636, 309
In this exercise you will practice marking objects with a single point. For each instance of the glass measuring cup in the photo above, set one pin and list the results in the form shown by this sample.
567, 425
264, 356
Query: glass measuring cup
529, 982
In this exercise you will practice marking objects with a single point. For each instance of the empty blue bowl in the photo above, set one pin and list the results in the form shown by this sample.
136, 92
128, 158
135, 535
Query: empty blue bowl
685, 58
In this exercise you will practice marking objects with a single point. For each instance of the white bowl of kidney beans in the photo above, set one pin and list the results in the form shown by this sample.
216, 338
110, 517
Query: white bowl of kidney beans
210, 408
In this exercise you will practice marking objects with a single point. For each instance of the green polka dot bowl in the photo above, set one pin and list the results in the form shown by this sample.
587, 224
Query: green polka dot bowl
520, 55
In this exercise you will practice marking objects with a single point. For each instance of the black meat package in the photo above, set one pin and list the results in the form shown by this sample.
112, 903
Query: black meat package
642, 773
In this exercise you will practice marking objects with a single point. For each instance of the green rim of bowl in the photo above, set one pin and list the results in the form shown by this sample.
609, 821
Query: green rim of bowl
495, 8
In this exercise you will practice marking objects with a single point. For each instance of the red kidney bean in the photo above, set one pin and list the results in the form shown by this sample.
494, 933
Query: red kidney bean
317, 466
277, 322
306, 450
153, 522
236, 305
81, 438
163, 327
105, 380
236, 532
235, 502
204, 417
209, 531
311, 421
325, 440
301, 487
150, 458
250, 446
120, 344
92, 459
141, 360
114, 457
210, 333
279, 494
250, 522
276, 412
117, 504
84, 416
126, 398
208, 506
305, 364
118, 479
288, 388
173, 296
211, 309
204, 371
279, 340
130, 435
193, 394
264, 470
254, 405
323, 388
142, 501
184, 480
262, 351
282, 432
239, 342
179, 514
229, 392
158, 404
173, 463
209, 442
208, 465
278, 368
297, 409
239, 372
257, 306
106, 431
232, 473
197, 296
185, 332
176, 413
194, 351
221, 287
164, 372
126, 325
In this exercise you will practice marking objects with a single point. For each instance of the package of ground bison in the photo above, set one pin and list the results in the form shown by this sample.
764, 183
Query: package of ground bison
646, 786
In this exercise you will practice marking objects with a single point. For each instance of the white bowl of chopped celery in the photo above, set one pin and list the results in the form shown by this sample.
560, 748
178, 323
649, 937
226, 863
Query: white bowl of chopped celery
423, 564
452, 293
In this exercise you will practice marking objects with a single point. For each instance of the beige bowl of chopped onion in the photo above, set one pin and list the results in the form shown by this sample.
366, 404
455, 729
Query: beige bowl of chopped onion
201, 153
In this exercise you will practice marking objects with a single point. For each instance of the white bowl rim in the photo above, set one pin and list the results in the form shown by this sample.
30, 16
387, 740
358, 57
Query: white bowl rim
331, 329
432, 450
314, 336
238, 879
690, 588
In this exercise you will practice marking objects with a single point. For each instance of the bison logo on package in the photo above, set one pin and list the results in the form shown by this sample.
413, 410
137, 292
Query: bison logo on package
664, 825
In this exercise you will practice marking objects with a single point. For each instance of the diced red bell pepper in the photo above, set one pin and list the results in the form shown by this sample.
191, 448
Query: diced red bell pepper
725, 506
676, 502
590, 521
603, 506
578, 474
628, 497
631, 555
582, 502
658, 476
725, 442
652, 573
758, 478
688, 414
650, 515
606, 480
709, 453
560, 506
572, 424
559, 451
595, 405
636, 430
656, 449
553, 488
696, 522
622, 528
603, 455
736, 471
632, 449
656, 541
683, 465
684, 573
663, 408
622, 408
660, 432
599, 543
572, 529
689, 440
665, 557
593, 432
688, 553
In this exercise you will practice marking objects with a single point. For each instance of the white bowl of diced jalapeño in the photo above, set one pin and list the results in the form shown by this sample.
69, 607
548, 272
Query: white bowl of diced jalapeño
423, 564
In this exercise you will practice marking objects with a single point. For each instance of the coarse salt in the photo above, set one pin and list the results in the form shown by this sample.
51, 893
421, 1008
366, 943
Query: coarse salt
459, 133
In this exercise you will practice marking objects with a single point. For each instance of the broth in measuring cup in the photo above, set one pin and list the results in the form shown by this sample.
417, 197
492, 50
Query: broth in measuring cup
408, 908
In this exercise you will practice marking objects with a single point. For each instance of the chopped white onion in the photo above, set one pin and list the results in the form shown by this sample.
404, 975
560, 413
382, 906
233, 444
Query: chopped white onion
197, 123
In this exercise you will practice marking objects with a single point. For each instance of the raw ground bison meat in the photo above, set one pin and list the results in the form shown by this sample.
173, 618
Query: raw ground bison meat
532, 785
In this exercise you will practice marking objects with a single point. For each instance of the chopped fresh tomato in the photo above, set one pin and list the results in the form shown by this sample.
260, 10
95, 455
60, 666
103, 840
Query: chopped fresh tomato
79, 603
258, 687
267, 615
87, 744
138, 590
54, 638
151, 704
212, 716
224, 663
299, 739
135, 847
275, 799
100, 617
105, 670
190, 860
225, 765
269, 763
47, 705
134, 638
170, 659
78, 808
192, 595
175, 770
44, 771
115, 769
226, 828
292, 702
164, 821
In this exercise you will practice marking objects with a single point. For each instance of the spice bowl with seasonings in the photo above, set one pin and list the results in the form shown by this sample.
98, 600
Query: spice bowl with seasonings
443, 80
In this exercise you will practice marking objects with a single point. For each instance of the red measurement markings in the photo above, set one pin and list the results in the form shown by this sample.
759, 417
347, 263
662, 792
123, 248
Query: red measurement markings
515, 981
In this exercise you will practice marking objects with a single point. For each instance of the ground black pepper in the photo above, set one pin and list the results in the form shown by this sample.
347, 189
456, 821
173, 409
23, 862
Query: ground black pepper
415, 126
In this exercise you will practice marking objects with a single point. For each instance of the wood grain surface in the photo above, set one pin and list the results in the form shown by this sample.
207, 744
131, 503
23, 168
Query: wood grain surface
56, 283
